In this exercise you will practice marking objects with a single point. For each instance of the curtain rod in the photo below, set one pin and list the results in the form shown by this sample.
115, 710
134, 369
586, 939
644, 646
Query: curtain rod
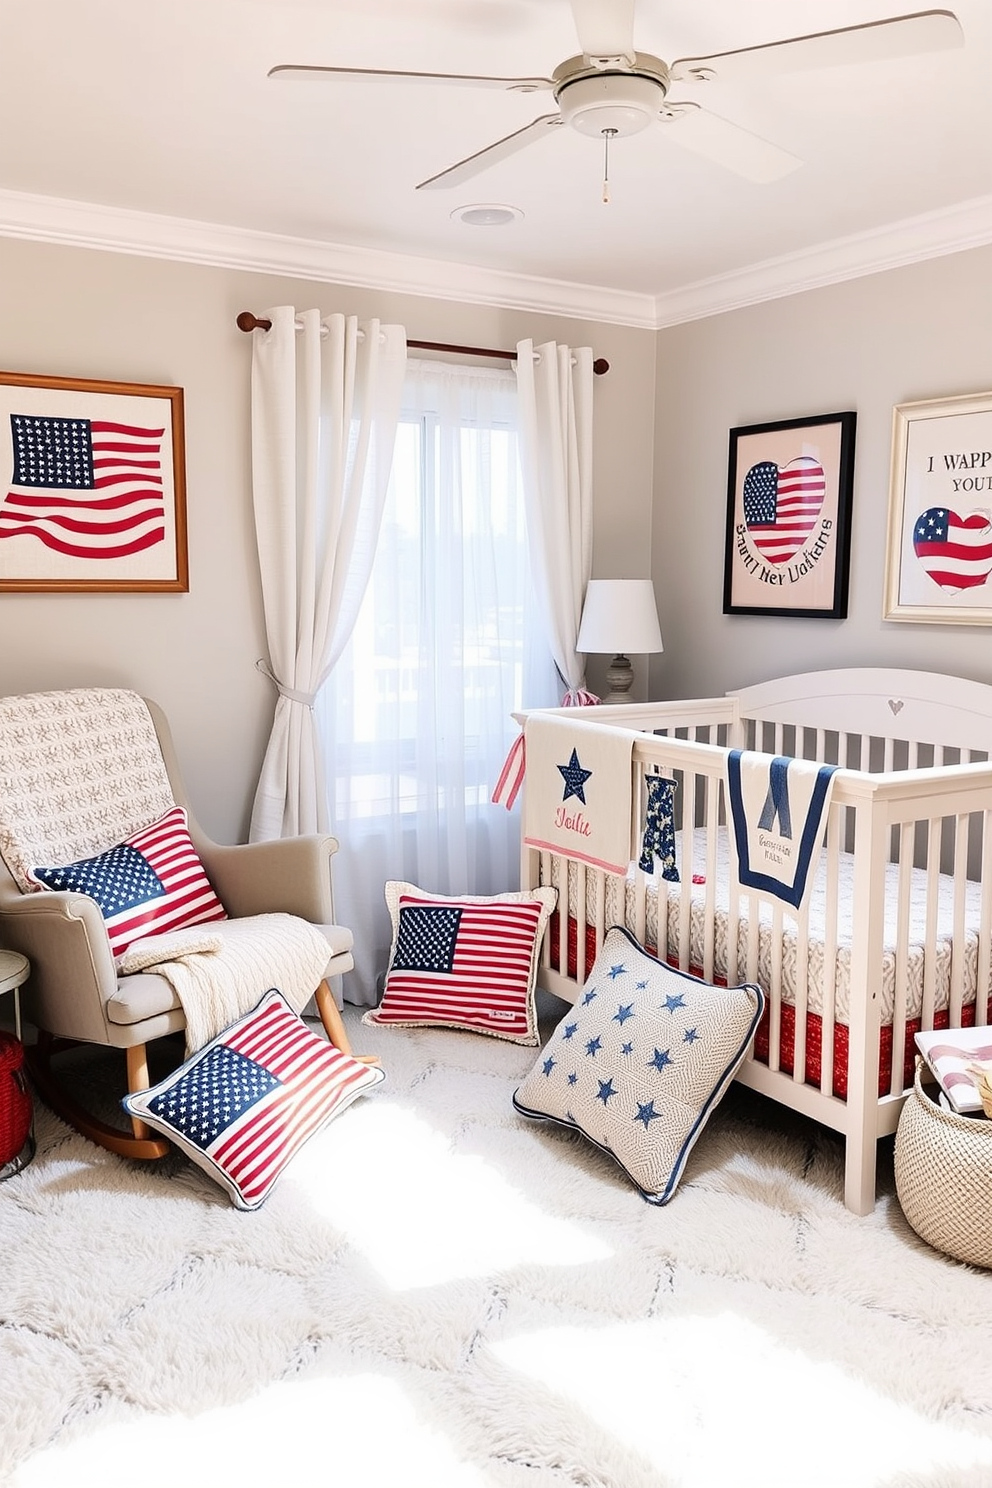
249, 322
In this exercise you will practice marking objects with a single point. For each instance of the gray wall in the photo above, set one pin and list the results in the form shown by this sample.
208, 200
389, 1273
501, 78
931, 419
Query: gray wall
662, 418
919, 332
87, 313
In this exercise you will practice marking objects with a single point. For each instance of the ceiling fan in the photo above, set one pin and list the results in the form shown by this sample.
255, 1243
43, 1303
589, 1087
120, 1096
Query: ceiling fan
611, 90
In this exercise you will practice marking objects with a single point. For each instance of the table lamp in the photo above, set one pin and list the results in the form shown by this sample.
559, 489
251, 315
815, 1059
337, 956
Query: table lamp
619, 616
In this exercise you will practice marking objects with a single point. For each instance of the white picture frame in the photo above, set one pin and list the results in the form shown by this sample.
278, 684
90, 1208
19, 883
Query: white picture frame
939, 552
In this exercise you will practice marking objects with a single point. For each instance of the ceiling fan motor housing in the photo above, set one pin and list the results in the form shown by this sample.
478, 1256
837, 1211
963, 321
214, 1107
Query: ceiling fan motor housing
622, 102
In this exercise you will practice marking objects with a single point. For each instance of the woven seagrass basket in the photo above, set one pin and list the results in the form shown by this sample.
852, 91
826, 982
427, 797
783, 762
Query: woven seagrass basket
943, 1170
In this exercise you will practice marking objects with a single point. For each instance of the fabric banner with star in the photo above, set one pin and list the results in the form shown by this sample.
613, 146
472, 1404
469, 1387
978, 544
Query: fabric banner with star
578, 793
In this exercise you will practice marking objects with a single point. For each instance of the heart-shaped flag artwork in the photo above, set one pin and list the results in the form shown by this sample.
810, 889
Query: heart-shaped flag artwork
782, 505
955, 551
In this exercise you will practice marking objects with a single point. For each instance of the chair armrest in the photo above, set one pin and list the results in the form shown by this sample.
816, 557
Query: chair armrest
65, 939
291, 875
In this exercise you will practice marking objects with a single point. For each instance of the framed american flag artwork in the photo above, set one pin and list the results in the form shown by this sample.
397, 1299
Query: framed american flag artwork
939, 556
789, 493
94, 485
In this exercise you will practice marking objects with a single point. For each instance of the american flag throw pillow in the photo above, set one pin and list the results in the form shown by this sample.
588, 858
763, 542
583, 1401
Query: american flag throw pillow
244, 1104
152, 882
468, 961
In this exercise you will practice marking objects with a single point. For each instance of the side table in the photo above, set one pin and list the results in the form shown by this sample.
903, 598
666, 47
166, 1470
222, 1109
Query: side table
14, 972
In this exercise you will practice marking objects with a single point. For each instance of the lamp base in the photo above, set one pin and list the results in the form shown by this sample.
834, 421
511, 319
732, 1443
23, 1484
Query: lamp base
619, 677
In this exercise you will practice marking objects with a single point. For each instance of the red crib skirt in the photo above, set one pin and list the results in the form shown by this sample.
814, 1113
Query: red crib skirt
787, 1042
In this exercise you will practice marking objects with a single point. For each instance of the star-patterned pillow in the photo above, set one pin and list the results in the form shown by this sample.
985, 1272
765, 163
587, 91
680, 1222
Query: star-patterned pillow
640, 1062
243, 1105
465, 961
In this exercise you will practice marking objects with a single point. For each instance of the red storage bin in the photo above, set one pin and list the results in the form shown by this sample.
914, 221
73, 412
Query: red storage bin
15, 1099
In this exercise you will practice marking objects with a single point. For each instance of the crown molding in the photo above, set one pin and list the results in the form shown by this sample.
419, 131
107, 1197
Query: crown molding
85, 225
932, 235
113, 229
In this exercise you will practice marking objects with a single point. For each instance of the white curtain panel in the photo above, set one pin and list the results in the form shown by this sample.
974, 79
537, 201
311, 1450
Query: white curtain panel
555, 385
325, 398
417, 716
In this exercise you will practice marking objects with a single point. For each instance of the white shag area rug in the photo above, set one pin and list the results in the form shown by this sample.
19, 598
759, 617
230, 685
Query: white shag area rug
440, 1294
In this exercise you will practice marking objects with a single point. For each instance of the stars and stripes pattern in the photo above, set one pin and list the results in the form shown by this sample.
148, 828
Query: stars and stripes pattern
150, 883
782, 505
244, 1106
955, 551
640, 1061
85, 488
466, 962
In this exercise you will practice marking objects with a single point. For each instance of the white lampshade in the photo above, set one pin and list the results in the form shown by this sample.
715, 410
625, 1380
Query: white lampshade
619, 616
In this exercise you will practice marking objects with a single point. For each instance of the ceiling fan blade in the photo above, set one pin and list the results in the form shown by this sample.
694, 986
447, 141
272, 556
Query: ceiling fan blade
879, 41
492, 154
605, 28
727, 144
290, 72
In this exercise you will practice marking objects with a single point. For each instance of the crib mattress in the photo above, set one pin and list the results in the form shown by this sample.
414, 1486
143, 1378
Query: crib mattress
948, 954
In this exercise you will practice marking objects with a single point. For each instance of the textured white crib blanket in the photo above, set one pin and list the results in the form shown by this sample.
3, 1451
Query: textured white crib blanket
221, 972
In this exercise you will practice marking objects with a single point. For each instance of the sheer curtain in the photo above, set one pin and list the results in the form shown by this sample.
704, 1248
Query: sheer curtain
415, 719
556, 401
325, 396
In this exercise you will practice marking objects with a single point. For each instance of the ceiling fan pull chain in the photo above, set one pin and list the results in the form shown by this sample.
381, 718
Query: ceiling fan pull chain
608, 134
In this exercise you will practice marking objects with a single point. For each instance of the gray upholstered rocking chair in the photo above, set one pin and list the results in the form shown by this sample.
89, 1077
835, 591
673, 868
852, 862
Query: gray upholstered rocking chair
81, 771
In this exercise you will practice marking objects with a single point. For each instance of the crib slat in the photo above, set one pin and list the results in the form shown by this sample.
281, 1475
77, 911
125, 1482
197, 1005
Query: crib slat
801, 1000
982, 988
687, 870
774, 987
901, 983
734, 897
934, 837
710, 822
828, 1008
550, 872
582, 916
956, 999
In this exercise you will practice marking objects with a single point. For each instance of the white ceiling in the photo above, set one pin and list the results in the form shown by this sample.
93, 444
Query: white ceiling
163, 107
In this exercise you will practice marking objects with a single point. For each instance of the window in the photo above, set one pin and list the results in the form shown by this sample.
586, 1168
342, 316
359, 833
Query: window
449, 641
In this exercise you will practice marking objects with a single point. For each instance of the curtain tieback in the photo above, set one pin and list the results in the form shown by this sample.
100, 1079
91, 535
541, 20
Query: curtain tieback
293, 693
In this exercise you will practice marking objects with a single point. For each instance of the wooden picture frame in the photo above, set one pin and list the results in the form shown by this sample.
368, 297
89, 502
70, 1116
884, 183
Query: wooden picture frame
939, 554
790, 488
94, 486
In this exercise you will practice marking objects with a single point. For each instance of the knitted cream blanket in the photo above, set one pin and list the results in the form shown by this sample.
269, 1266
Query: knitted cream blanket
219, 973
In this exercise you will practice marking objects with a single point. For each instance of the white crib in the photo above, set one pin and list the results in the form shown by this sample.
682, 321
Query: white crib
898, 931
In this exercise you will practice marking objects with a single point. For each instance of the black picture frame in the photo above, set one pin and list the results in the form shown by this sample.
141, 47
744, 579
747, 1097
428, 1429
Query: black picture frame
790, 490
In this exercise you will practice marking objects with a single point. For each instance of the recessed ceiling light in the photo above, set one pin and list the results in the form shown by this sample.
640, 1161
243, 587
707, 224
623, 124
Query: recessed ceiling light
487, 216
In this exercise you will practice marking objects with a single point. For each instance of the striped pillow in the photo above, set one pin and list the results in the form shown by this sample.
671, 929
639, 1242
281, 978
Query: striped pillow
151, 882
243, 1105
464, 961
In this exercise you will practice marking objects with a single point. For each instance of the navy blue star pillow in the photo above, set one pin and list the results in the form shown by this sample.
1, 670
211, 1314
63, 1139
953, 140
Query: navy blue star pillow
641, 1061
